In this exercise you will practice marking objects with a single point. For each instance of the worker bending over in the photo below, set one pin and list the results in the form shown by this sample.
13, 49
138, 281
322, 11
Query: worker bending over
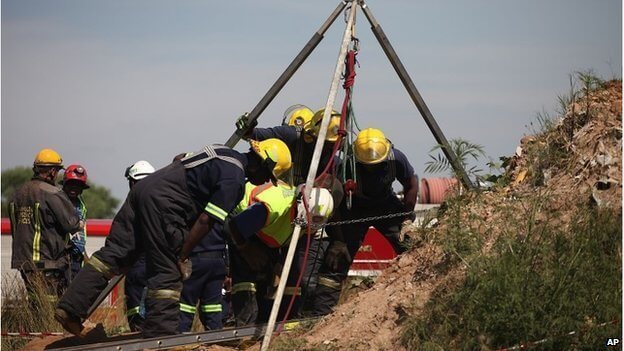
259, 229
135, 285
299, 130
208, 257
378, 165
166, 215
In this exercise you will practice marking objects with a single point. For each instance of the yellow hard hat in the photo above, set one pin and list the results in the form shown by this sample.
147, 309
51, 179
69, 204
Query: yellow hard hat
332, 127
48, 157
275, 155
371, 146
298, 116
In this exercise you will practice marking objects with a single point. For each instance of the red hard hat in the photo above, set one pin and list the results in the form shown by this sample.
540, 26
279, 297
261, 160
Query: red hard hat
76, 172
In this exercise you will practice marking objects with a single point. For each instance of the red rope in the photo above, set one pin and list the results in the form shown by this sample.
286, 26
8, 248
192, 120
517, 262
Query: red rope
305, 260
349, 81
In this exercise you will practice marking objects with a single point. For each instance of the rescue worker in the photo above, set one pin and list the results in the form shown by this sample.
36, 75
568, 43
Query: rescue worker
166, 215
135, 285
262, 223
74, 183
299, 130
206, 282
41, 218
378, 164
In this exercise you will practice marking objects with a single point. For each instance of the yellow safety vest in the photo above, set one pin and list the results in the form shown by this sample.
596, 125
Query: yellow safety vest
278, 201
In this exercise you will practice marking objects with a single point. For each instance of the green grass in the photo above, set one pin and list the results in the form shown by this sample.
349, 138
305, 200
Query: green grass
541, 281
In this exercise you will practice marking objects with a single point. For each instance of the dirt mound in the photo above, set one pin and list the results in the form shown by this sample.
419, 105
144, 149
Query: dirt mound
575, 160
589, 137
370, 320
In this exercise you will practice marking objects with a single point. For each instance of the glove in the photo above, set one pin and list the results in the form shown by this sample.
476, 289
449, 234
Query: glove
255, 255
336, 252
79, 240
244, 125
186, 268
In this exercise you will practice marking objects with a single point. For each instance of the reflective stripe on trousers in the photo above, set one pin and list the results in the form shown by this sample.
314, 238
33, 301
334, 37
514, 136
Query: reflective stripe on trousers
330, 283
244, 286
163, 294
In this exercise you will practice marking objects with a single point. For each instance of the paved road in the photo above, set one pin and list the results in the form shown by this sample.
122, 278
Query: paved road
11, 276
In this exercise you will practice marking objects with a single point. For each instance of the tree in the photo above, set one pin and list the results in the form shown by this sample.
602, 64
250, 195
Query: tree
11, 180
100, 203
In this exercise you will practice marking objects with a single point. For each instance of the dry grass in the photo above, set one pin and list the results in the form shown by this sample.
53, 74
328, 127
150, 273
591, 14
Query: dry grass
24, 313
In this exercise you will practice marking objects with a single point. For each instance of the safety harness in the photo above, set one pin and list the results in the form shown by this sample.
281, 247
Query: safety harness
206, 154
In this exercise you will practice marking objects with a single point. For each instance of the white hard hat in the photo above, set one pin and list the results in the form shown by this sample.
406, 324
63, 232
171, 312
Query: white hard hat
320, 205
139, 170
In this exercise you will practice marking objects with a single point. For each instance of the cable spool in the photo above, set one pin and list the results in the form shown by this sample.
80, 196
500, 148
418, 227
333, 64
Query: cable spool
435, 190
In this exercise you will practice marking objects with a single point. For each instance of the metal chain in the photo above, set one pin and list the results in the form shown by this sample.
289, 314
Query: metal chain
301, 222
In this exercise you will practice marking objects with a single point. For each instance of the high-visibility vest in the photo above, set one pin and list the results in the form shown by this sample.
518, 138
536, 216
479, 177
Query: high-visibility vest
278, 200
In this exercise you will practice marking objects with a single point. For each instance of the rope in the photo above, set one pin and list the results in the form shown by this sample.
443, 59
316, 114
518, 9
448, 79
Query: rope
314, 164
303, 265
318, 147
349, 80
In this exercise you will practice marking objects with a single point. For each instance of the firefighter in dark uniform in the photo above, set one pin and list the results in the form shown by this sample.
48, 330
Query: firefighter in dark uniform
42, 217
299, 130
166, 215
378, 165
135, 284
206, 284
74, 183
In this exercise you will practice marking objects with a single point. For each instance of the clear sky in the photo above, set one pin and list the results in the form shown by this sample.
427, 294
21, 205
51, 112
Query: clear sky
107, 83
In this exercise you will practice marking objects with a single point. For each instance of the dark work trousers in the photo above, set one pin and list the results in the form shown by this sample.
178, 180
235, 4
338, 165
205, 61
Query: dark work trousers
166, 213
154, 218
75, 264
203, 286
312, 265
253, 306
118, 252
330, 281
135, 289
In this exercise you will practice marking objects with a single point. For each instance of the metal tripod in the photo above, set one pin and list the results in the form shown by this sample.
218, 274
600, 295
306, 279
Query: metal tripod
398, 67
279, 84
294, 66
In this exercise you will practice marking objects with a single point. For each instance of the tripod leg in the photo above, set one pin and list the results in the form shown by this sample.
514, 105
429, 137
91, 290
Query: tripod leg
415, 95
111, 285
288, 73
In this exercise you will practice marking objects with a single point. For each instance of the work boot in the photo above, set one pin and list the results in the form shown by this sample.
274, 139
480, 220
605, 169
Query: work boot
69, 322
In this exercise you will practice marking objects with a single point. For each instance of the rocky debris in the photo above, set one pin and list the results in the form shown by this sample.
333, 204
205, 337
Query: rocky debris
589, 139
578, 161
